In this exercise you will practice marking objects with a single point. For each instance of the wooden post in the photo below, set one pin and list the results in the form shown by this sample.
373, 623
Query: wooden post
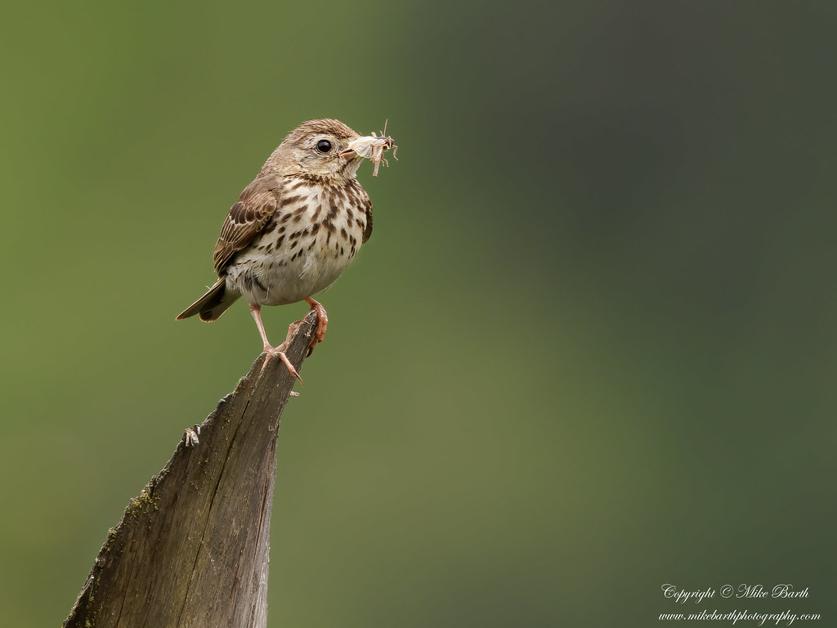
192, 548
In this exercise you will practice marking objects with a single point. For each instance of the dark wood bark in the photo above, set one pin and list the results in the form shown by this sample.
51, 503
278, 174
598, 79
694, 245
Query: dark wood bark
192, 548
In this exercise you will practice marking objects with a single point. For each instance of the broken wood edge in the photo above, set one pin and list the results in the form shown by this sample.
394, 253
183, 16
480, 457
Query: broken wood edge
145, 505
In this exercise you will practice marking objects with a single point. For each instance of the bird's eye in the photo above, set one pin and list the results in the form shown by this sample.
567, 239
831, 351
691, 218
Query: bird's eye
323, 146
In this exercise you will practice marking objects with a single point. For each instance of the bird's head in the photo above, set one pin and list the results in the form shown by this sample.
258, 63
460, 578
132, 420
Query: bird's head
324, 148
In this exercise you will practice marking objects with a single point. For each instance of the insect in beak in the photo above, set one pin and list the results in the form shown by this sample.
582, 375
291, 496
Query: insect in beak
372, 147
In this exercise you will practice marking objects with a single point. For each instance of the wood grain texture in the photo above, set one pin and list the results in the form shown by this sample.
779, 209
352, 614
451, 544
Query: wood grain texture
192, 548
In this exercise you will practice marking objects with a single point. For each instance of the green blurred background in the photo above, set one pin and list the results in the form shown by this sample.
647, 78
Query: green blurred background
590, 348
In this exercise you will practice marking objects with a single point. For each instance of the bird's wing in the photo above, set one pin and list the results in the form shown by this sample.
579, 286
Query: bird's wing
246, 219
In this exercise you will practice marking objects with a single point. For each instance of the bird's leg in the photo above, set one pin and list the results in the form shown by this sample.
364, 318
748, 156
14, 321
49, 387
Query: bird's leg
322, 323
256, 313
271, 351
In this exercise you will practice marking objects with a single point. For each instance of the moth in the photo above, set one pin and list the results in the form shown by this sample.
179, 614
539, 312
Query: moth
373, 147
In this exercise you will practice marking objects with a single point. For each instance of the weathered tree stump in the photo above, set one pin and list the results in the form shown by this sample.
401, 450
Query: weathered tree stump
192, 548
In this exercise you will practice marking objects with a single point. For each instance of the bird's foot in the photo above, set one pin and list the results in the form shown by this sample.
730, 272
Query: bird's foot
322, 324
279, 352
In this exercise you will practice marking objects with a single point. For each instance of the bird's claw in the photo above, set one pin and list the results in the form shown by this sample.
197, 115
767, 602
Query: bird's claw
319, 332
317, 335
277, 352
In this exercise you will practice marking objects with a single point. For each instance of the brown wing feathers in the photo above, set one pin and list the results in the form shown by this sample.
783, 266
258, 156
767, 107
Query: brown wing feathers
244, 222
246, 219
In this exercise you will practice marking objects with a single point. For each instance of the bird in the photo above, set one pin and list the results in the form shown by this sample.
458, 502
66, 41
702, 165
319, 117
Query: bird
295, 228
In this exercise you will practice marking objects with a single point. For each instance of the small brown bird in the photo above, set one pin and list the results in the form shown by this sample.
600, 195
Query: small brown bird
295, 228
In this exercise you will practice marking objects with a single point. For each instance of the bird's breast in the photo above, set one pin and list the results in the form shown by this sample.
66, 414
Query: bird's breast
311, 238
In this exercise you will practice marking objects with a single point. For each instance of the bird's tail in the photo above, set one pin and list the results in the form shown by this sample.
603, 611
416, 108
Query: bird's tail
212, 304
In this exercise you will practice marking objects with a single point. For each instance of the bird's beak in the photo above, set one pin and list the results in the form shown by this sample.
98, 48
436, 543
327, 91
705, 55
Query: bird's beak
347, 154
